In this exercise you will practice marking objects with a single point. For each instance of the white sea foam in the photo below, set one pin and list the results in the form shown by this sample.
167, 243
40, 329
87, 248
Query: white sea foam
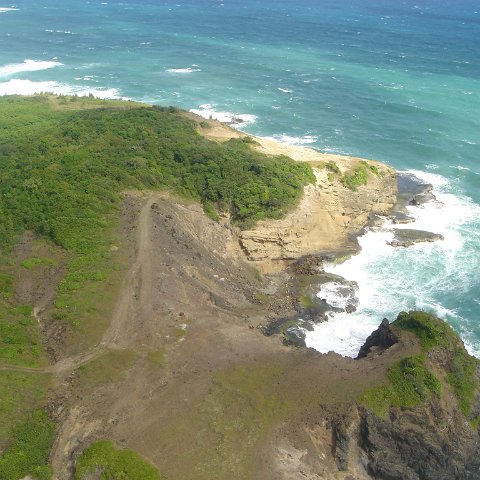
337, 294
419, 277
238, 120
8, 9
460, 167
285, 90
27, 87
27, 66
183, 70
290, 140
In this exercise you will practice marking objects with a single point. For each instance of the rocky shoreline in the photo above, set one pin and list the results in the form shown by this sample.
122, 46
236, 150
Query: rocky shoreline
210, 379
298, 244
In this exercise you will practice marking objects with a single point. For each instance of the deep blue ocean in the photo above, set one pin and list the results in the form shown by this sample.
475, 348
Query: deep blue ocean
392, 81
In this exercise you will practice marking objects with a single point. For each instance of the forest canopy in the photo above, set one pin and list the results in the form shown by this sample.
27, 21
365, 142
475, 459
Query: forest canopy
65, 160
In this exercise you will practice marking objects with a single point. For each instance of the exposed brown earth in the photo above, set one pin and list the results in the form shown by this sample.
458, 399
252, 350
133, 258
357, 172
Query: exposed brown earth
189, 294
183, 375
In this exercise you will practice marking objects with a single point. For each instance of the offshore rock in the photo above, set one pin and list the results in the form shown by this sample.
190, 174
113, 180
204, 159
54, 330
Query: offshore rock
408, 237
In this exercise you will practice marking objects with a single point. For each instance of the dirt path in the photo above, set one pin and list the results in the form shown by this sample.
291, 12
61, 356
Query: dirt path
136, 293
134, 303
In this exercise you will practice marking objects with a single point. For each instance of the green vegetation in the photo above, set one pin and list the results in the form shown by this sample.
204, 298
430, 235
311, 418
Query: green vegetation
112, 463
356, 177
20, 393
109, 367
353, 178
331, 166
20, 342
436, 334
24, 437
240, 409
27, 453
35, 262
463, 379
306, 301
410, 383
63, 169
333, 170
431, 331
65, 161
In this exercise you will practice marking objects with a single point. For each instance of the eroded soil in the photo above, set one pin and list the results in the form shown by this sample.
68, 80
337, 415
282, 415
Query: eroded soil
182, 374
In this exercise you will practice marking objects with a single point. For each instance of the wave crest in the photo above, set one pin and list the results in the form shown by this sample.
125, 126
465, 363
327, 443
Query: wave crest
27, 66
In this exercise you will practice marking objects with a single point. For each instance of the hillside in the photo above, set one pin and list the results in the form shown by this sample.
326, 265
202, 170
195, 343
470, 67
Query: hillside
132, 312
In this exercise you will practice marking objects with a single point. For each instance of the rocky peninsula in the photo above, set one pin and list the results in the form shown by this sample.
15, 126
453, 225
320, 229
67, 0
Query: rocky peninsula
166, 371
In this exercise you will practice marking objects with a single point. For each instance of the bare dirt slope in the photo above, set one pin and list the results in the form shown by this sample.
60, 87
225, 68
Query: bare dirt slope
203, 395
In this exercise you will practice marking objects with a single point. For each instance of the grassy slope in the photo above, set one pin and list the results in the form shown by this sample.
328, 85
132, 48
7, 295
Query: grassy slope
411, 381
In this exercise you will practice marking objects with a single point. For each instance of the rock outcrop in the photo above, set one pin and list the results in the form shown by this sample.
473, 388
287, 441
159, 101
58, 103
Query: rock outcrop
407, 237
329, 214
327, 218
379, 340
434, 439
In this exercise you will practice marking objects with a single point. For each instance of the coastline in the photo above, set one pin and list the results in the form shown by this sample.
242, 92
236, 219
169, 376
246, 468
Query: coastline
191, 358
329, 217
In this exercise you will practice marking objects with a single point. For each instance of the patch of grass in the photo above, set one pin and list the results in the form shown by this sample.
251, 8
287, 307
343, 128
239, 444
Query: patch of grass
20, 393
409, 383
156, 358
240, 409
204, 124
107, 368
257, 274
261, 298
28, 451
475, 423
179, 332
463, 379
35, 262
332, 167
20, 342
113, 463
6, 286
431, 331
356, 177
211, 211
306, 301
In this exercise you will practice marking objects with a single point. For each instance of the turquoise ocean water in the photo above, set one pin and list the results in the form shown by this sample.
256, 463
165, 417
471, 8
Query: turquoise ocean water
393, 81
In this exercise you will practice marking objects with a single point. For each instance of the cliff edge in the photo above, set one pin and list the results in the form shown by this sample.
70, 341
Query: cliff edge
329, 214
347, 194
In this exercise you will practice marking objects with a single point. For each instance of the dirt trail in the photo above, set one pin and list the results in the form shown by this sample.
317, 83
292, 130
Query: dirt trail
136, 293
134, 302
137, 286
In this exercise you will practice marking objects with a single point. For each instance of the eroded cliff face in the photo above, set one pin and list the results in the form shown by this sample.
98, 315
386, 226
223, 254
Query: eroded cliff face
326, 219
433, 440
329, 214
